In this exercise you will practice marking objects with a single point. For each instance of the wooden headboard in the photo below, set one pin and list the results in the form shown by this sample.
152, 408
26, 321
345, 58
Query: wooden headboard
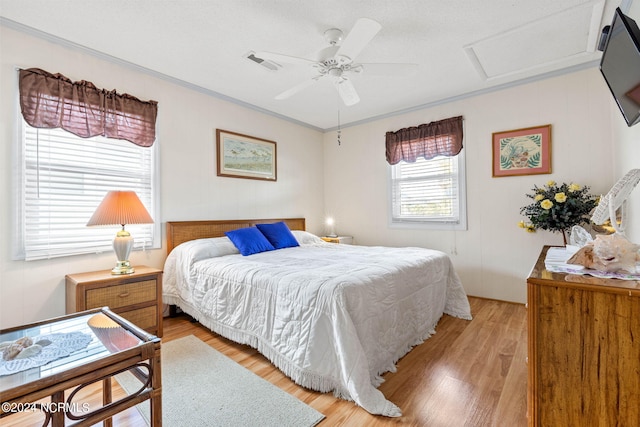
183, 231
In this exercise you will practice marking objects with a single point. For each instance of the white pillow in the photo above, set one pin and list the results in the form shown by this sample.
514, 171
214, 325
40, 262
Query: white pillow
306, 238
199, 249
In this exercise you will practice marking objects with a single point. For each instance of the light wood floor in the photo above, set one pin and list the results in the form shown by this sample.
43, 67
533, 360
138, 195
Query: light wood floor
470, 373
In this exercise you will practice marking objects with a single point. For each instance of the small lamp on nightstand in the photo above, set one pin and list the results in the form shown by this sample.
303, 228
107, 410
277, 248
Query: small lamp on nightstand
121, 207
330, 229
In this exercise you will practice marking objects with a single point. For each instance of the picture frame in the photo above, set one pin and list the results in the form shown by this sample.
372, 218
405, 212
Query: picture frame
524, 151
244, 156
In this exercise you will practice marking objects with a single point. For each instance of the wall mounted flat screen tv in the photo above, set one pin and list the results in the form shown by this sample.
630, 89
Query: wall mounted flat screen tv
620, 65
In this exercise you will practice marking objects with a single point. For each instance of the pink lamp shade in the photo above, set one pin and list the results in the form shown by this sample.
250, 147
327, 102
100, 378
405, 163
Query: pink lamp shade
121, 207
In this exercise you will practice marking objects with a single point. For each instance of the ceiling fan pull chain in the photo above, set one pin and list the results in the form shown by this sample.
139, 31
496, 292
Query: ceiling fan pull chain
339, 126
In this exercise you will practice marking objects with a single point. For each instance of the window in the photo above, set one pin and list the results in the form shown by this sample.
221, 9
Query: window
429, 192
63, 180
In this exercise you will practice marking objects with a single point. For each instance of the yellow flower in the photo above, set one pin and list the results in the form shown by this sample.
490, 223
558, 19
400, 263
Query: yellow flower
546, 204
574, 187
538, 197
551, 183
528, 227
560, 197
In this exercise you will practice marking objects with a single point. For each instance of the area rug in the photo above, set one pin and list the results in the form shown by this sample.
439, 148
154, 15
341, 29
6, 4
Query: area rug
202, 387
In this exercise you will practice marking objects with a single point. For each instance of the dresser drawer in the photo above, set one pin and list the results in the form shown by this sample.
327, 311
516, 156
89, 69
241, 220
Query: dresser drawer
144, 318
122, 295
137, 297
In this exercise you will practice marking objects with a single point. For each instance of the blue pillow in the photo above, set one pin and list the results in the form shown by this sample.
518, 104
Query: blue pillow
278, 234
249, 241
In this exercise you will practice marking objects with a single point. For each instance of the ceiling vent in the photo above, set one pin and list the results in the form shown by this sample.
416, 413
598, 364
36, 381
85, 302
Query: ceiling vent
269, 65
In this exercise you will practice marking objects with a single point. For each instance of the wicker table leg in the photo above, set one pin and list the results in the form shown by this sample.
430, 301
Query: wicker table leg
106, 399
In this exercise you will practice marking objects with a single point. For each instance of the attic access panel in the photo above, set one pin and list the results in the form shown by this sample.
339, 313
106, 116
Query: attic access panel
523, 49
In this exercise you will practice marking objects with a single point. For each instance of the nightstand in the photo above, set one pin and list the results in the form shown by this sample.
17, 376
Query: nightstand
137, 297
345, 240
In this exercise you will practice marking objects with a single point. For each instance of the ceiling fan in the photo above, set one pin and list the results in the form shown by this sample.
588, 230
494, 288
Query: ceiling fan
336, 62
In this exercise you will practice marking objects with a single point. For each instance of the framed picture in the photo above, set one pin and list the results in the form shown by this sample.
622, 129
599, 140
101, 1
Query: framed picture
244, 156
522, 151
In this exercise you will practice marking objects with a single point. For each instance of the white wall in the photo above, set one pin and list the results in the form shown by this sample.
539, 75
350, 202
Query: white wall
494, 256
190, 189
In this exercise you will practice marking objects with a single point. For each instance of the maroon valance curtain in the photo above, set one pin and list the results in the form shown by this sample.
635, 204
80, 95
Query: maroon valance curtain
441, 138
53, 101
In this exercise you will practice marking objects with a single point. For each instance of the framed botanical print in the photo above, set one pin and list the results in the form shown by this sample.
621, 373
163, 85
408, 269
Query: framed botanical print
522, 151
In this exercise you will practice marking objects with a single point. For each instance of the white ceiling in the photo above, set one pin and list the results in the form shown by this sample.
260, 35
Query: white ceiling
461, 46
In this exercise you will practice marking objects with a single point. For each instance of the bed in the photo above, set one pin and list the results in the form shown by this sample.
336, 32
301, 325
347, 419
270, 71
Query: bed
332, 317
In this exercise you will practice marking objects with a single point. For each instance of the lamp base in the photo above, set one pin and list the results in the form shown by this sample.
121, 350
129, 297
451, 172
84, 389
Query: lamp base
122, 245
123, 267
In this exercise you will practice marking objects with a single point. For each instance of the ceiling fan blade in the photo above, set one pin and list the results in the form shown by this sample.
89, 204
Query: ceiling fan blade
392, 70
347, 91
297, 88
287, 59
360, 35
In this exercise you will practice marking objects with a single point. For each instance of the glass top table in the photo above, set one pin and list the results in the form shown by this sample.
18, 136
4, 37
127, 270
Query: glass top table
78, 350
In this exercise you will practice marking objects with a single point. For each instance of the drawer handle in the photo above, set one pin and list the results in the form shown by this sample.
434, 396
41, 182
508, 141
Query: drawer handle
124, 294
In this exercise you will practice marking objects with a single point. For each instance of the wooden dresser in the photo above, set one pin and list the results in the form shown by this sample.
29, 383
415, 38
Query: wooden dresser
584, 350
137, 297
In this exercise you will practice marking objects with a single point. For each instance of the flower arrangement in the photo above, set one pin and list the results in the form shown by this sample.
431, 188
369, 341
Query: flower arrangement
557, 208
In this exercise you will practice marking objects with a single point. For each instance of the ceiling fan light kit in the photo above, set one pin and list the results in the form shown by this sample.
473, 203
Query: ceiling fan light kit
337, 61
333, 36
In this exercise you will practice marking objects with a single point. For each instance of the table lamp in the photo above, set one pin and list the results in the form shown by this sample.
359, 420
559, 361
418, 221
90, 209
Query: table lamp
121, 207
331, 230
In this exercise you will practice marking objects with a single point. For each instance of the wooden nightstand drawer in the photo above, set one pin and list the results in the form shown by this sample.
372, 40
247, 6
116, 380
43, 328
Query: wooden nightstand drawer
122, 295
144, 318
137, 297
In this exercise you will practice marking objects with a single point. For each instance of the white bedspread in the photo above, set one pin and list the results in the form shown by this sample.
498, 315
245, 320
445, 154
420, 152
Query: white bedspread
332, 317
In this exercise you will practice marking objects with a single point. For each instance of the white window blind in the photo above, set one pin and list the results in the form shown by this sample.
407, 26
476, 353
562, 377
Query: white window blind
64, 179
429, 192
